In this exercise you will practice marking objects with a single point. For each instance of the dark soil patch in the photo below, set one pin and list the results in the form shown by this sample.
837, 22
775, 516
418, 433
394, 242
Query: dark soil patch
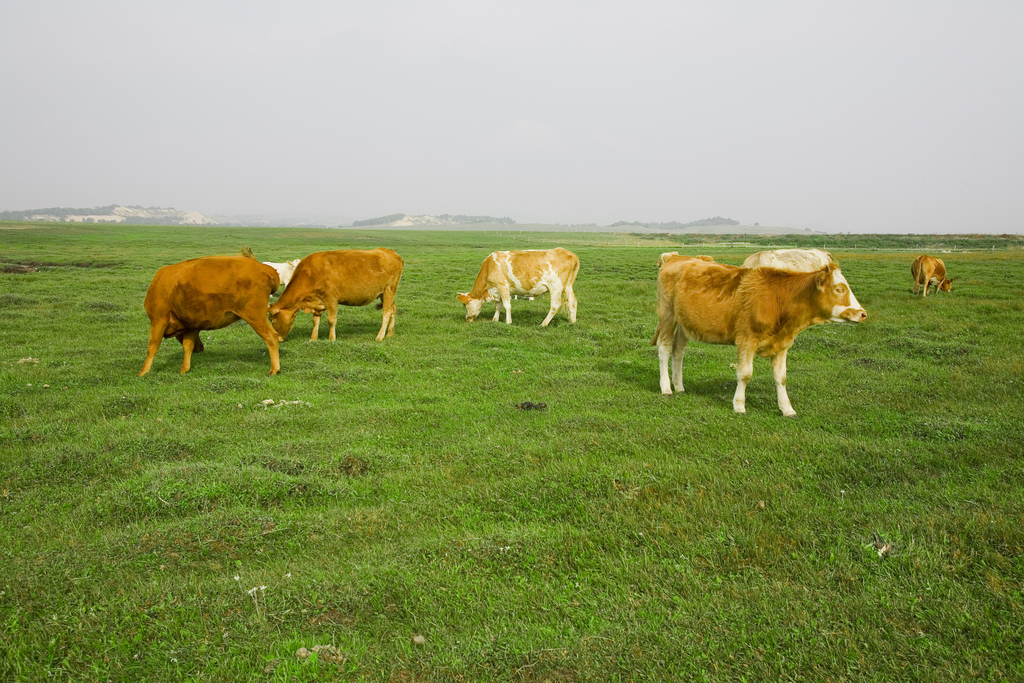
354, 467
11, 266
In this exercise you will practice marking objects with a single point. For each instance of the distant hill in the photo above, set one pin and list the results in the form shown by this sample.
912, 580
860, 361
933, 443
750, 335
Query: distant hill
401, 220
114, 213
676, 225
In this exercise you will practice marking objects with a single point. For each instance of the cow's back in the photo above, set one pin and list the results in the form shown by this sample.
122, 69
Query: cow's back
204, 286
791, 260
525, 270
701, 296
926, 267
352, 277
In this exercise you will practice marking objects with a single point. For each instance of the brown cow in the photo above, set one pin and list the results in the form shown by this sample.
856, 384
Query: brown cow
928, 271
759, 310
207, 294
350, 277
524, 273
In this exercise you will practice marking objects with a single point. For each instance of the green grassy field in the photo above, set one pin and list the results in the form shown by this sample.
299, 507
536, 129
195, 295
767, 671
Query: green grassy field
394, 504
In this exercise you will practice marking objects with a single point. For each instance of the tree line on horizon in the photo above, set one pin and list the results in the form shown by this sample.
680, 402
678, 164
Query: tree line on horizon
933, 242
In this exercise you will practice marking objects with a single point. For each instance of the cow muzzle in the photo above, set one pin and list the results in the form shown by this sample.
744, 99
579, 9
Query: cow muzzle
854, 315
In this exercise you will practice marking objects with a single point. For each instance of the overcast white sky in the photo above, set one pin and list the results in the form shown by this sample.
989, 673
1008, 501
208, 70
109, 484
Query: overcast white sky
841, 116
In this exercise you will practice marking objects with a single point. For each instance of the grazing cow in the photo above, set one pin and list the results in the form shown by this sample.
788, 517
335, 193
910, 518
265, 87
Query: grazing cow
792, 260
350, 277
524, 273
673, 255
207, 294
928, 271
284, 270
759, 310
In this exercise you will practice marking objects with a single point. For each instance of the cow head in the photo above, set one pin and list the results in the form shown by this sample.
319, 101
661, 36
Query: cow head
837, 297
472, 305
282, 320
945, 285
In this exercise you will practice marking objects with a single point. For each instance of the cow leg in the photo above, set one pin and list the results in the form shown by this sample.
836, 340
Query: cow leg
679, 340
779, 371
670, 343
156, 335
387, 325
332, 319
664, 352
268, 334
570, 297
189, 340
556, 303
744, 371
393, 316
506, 301
316, 327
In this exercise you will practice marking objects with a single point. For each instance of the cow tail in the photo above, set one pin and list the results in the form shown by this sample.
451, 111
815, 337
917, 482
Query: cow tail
657, 332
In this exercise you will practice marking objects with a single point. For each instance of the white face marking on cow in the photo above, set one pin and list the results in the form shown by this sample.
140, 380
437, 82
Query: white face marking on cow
852, 312
473, 307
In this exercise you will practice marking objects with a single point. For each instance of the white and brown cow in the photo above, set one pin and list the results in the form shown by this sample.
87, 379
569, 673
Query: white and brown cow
350, 277
284, 270
759, 310
524, 273
929, 271
792, 260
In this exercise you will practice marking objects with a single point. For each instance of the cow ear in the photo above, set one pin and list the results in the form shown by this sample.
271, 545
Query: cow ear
464, 298
824, 278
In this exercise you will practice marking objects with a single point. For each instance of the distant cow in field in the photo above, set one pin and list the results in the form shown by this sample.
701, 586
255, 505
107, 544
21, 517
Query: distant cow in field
284, 270
673, 255
792, 260
759, 310
928, 271
349, 277
207, 294
524, 273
